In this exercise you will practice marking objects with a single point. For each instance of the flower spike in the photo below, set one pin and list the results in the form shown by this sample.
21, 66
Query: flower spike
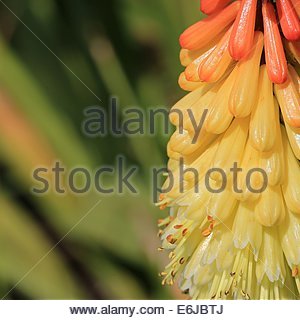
235, 233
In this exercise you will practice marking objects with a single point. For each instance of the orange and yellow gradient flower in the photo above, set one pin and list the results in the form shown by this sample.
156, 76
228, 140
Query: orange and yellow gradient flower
241, 66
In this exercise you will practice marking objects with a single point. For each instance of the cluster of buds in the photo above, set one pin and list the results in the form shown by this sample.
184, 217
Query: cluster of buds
241, 67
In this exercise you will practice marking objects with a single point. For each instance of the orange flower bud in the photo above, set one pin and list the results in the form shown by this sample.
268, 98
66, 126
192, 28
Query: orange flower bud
274, 52
200, 34
243, 30
289, 19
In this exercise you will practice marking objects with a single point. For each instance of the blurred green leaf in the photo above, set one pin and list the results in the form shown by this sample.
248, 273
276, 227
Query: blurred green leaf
118, 48
28, 259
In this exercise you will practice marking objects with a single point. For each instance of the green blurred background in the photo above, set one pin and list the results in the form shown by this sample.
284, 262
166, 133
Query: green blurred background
73, 247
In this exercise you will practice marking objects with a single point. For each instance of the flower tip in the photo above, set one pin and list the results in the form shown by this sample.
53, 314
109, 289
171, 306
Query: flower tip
295, 272
186, 41
295, 36
209, 7
278, 79
191, 73
236, 53
204, 9
182, 40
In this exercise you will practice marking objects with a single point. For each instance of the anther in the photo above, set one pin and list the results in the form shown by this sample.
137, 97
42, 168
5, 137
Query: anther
170, 239
160, 221
178, 226
171, 255
295, 272
163, 207
160, 232
211, 226
162, 274
161, 197
206, 232
184, 232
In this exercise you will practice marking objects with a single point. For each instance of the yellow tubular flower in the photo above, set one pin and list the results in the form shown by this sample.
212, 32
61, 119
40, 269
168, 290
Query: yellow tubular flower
231, 146
219, 117
187, 56
186, 102
250, 160
294, 137
295, 77
192, 70
196, 110
293, 49
289, 100
187, 85
219, 60
272, 163
270, 207
263, 118
291, 186
233, 188
242, 99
